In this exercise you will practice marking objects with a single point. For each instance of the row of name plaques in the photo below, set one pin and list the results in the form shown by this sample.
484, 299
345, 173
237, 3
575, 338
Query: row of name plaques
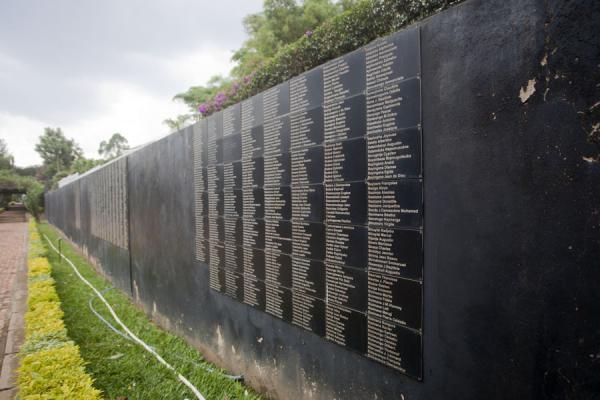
309, 201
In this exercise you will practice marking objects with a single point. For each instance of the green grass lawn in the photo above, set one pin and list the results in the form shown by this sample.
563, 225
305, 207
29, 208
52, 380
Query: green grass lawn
121, 368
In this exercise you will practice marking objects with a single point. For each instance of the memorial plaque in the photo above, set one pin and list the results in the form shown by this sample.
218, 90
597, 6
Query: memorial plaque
347, 286
347, 203
277, 169
254, 233
306, 90
395, 299
396, 203
252, 128
307, 166
254, 292
254, 263
308, 313
278, 301
232, 120
346, 327
306, 128
309, 201
394, 106
396, 252
234, 285
278, 202
395, 346
308, 240
308, 277
347, 245
396, 57
232, 148
253, 172
254, 202
346, 161
395, 154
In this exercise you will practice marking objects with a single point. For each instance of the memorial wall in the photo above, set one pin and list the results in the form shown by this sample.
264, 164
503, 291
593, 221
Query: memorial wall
408, 221
309, 201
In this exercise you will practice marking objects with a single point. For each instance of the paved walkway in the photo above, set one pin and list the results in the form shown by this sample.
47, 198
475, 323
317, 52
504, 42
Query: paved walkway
13, 295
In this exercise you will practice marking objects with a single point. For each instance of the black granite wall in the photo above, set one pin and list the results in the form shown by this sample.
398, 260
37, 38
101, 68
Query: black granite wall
510, 306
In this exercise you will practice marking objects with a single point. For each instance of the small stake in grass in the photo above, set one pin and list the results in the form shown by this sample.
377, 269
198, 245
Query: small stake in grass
60, 250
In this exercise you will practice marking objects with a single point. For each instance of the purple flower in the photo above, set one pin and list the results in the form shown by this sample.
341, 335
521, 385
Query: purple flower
308, 33
203, 108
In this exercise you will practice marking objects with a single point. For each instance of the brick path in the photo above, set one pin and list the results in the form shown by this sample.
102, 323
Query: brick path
13, 295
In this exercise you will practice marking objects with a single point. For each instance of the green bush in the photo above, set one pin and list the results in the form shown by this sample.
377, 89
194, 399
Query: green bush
363, 23
51, 366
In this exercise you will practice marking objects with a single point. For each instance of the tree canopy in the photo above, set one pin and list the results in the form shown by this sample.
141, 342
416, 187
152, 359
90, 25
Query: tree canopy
57, 152
114, 146
280, 23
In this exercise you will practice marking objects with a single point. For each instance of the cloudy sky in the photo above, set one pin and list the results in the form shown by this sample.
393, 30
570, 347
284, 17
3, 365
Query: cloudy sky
98, 67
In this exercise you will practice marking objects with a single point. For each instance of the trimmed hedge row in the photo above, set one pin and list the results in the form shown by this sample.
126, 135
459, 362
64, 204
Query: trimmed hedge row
342, 34
51, 366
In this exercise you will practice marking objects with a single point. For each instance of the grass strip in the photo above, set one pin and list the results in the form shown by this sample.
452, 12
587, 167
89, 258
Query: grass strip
119, 367
51, 365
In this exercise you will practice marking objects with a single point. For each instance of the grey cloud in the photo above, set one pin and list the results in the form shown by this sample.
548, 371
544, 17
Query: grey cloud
60, 42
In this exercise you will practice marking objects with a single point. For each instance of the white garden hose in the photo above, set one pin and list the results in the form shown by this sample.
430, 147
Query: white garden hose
136, 339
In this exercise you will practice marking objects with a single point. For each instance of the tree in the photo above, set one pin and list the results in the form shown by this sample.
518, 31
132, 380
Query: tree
114, 147
83, 164
34, 198
197, 95
178, 122
281, 22
57, 151
6, 159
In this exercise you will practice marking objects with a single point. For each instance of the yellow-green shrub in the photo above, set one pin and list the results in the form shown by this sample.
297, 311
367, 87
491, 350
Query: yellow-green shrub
55, 373
51, 366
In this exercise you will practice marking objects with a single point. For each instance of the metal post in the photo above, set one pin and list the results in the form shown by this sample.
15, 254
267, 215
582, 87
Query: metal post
59, 250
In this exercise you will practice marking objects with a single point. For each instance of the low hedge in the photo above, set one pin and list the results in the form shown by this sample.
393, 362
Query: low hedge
363, 23
51, 366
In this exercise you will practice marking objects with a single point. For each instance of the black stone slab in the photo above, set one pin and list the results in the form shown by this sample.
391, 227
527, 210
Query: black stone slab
394, 106
307, 166
306, 90
307, 128
278, 169
254, 292
232, 120
232, 148
395, 154
254, 233
345, 119
347, 203
346, 286
347, 245
344, 77
308, 240
309, 313
396, 299
279, 301
395, 346
309, 203
393, 58
308, 277
254, 202
346, 327
396, 203
253, 172
346, 161
254, 263
396, 252
278, 203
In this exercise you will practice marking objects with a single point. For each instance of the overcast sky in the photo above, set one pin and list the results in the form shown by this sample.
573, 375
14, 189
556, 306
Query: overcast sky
98, 67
